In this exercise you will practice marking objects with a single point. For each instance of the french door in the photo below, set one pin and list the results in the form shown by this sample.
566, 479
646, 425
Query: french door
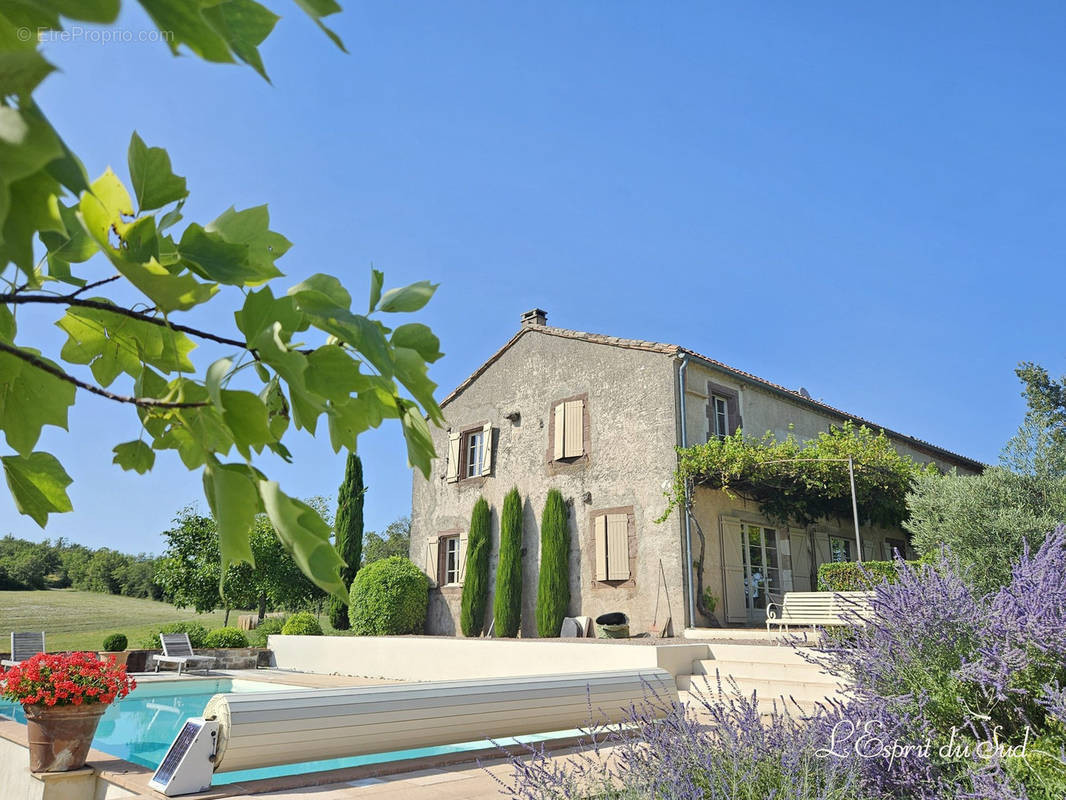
762, 569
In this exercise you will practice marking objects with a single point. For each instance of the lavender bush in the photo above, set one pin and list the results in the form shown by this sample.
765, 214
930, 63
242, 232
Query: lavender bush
977, 679
954, 695
720, 749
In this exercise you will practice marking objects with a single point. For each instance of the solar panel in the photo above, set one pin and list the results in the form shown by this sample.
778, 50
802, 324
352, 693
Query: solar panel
189, 762
182, 742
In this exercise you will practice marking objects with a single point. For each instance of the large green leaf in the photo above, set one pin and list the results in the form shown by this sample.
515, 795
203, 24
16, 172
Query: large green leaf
261, 310
112, 343
234, 501
210, 256
306, 536
38, 485
244, 25
247, 418
7, 324
154, 181
334, 374
33, 208
30, 398
186, 25
251, 227
136, 456
420, 451
419, 338
409, 298
85, 10
316, 9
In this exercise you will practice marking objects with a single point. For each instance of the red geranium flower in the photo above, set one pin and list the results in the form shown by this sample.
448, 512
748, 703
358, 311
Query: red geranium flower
66, 679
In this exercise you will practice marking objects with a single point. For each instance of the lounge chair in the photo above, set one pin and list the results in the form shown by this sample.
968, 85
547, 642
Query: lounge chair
178, 650
24, 646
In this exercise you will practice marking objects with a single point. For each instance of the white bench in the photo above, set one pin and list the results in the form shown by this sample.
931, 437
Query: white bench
819, 609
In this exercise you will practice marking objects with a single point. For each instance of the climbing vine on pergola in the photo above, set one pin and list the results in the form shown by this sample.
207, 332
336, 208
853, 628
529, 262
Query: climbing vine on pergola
799, 483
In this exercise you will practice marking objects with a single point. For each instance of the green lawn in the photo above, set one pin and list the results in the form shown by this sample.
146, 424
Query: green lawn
80, 620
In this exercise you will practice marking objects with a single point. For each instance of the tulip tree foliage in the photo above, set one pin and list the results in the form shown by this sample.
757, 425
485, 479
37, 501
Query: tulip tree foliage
117, 267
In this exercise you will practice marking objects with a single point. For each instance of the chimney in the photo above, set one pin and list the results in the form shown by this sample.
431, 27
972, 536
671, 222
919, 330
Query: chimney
535, 316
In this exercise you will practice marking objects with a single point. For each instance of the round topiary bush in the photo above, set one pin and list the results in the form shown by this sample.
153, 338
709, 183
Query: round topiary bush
115, 643
226, 637
268, 627
388, 598
303, 624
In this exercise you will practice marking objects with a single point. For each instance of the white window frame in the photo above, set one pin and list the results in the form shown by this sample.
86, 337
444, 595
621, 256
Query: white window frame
720, 406
450, 572
473, 453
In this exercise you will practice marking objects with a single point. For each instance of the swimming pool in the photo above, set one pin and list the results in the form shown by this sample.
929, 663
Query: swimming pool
141, 727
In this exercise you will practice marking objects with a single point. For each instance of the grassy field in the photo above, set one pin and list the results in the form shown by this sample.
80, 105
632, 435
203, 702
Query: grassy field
80, 620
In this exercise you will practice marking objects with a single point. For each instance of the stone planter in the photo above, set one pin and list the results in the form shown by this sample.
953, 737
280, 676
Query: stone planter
60, 736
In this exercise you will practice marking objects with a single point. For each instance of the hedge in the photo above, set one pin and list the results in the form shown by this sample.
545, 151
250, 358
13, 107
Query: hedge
388, 598
226, 637
553, 586
507, 606
851, 576
476, 577
270, 625
303, 624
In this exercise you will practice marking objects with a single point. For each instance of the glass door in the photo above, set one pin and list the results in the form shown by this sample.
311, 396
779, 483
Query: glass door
762, 569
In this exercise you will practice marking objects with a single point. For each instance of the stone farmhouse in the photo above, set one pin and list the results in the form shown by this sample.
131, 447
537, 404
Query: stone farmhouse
600, 418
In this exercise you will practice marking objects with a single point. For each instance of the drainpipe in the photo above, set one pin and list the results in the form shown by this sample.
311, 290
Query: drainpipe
688, 500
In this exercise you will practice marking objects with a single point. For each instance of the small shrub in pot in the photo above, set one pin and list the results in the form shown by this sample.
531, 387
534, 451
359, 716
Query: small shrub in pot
115, 643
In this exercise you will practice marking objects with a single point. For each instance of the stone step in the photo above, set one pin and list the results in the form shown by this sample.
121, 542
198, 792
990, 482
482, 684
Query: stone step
766, 705
763, 654
803, 672
765, 689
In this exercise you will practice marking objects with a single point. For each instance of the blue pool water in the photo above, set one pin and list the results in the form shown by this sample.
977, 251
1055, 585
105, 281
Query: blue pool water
141, 727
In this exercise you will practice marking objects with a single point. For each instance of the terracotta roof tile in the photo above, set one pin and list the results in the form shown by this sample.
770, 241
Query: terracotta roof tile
678, 351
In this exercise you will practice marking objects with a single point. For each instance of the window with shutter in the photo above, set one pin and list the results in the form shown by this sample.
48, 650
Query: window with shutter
448, 565
568, 429
454, 450
610, 537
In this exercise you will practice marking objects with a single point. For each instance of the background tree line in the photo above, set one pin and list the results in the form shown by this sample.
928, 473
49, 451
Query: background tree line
63, 564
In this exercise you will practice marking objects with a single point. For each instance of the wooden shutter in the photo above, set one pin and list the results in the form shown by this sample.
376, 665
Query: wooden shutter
454, 440
801, 562
560, 428
486, 449
600, 545
464, 539
736, 608
784, 560
432, 559
617, 547
574, 429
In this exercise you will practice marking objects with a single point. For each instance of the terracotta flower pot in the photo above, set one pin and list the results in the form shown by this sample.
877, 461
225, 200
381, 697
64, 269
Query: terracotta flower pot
59, 736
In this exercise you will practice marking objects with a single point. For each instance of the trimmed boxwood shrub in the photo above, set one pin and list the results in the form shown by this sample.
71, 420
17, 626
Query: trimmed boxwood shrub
388, 598
507, 606
197, 634
115, 643
851, 576
257, 637
553, 587
302, 624
226, 637
476, 579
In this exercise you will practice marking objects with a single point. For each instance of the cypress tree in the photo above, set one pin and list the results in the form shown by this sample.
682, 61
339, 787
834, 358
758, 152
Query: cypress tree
553, 588
348, 530
476, 579
507, 607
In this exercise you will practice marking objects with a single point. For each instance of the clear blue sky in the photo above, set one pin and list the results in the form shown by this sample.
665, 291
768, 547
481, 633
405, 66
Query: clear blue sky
867, 204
